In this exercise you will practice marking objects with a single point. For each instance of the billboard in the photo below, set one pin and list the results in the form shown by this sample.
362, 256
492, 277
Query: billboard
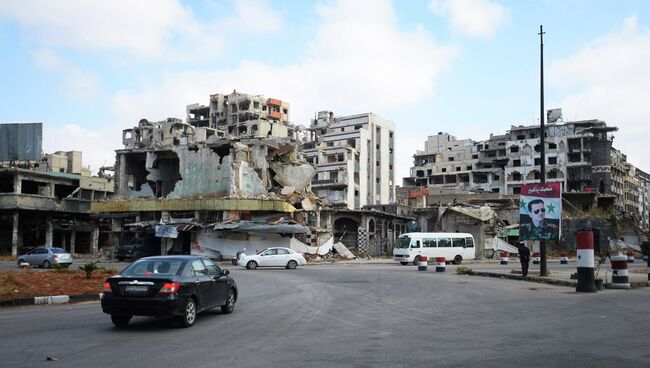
21, 142
540, 211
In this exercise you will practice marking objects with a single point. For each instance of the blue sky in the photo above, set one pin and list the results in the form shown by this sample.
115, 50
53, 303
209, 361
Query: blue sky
88, 69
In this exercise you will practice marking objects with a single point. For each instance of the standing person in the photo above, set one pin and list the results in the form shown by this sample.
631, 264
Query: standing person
524, 258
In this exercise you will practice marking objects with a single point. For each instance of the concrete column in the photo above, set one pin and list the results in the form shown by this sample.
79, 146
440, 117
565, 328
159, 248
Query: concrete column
14, 234
94, 241
73, 237
52, 187
18, 184
49, 230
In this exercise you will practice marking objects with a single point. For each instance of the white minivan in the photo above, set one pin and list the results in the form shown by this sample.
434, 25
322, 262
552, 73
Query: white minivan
454, 247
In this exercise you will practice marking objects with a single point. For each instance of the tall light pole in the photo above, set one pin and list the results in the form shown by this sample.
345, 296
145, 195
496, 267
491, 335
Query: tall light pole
543, 271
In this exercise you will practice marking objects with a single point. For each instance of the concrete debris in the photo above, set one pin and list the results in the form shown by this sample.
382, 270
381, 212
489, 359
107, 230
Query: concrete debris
343, 251
297, 176
307, 205
287, 190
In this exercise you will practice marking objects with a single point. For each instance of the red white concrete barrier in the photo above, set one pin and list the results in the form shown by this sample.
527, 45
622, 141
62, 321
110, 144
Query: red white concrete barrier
423, 263
620, 276
630, 257
440, 264
536, 258
504, 258
564, 258
585, 262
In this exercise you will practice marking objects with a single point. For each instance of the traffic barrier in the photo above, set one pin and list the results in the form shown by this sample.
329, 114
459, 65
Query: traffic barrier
440, 264
585, 262
422, 263
630, 257
645, 258
504, 258
564, 259
536, 258
620, 276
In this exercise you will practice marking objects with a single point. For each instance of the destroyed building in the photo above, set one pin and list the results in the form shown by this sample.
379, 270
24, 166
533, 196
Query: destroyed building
45, 199
232, 177
355, 159
579, 154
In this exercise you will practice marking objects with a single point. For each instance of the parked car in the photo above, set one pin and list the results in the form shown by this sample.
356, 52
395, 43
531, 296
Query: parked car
46, 257
136, 249
273, 257
161, 286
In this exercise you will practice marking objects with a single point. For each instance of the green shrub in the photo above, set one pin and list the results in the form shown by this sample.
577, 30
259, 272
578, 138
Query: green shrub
60, 268
89, 268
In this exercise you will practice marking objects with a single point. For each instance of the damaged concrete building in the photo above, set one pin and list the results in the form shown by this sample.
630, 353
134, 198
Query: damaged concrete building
45, 200
232, 177
579, 154
596, 177
355, 158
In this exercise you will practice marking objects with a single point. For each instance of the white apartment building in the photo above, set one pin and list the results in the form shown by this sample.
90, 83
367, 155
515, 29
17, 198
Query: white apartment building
354, 156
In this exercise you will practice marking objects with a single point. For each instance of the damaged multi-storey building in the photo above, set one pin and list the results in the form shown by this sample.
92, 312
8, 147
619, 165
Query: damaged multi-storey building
579, 155
45, 199
232, 177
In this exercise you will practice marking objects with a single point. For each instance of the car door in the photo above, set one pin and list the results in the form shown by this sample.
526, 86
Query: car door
39, 256
283, 257
219, 282
202, 284
267, 257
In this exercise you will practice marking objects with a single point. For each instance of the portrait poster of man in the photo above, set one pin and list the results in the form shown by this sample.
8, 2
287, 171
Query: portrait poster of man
540, 211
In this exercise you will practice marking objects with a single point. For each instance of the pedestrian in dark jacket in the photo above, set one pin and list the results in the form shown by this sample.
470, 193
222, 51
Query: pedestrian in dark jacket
524, 258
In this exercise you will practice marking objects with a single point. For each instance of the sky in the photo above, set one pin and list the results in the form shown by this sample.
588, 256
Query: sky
89, 69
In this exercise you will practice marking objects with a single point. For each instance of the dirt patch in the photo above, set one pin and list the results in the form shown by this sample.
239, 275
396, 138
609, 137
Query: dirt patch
26, 283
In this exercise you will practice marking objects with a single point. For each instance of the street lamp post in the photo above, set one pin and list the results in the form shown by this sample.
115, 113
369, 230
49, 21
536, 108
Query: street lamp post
543, 271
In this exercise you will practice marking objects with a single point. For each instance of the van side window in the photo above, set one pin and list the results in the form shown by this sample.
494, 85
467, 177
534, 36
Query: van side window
459, 242
415, 244
470, 242
444, 243
429, 243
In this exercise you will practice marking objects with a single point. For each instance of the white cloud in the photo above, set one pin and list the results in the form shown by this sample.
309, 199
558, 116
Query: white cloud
253, 16
474, 17
97, 146
359, 61
76, 83
608, 80
144, 28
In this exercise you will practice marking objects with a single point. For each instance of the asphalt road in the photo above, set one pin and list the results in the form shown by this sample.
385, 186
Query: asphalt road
351, 316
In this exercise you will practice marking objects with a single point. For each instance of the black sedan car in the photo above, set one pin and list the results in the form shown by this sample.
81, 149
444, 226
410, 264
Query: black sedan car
162, 286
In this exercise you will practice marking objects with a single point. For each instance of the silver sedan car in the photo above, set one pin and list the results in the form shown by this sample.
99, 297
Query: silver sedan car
46, 257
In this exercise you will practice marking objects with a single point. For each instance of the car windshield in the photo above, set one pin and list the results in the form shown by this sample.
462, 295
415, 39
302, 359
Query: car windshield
403, 242
58, 250
260, 251
153, 267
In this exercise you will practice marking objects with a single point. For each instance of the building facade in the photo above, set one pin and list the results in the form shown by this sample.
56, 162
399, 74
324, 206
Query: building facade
354, 156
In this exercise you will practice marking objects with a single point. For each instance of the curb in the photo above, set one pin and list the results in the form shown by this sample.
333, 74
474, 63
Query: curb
52, 299
543, 280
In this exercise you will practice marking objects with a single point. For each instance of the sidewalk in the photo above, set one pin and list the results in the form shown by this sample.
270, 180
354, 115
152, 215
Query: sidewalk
638, 277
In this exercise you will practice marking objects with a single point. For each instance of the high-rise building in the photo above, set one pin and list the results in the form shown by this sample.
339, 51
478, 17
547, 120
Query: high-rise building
354, 156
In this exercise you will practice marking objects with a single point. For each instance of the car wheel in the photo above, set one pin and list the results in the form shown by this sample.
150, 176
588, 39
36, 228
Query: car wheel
457, 260
120, 321
292, 265
416, 260
46, 264
189, 313
404, 263
230, 303
251, 265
